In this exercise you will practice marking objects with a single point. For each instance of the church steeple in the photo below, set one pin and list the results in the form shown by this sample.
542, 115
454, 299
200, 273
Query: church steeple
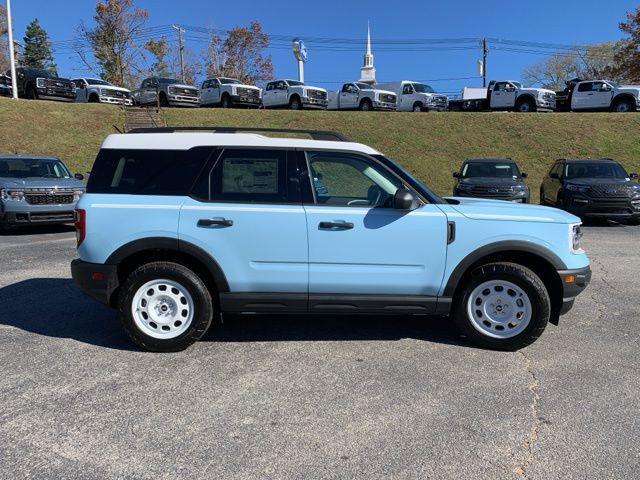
368, 71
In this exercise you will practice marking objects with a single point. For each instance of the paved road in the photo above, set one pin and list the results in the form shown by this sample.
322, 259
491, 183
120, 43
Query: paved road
314, 398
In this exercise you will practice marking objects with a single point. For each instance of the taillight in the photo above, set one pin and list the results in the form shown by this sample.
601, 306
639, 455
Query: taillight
81, 225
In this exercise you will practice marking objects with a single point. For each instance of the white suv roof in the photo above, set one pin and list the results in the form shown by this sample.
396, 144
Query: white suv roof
187, 140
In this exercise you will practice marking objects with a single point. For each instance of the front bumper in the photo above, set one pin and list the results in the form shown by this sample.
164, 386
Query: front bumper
52, 94
315, 103
384, 106
116, 101
573, 284
183, 101
97, 280
38, 216
546, 105
614, 208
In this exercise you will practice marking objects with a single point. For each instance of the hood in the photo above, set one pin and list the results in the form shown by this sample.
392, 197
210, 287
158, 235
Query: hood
481, 209
182, 85
318, 89
629, 88
111, 87
537, 90
37, 182
389, 92
491, 181
599, 181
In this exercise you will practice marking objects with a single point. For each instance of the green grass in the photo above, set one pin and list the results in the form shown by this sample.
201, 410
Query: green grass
431, 145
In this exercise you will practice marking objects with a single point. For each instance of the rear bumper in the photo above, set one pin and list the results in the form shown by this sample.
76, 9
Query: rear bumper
97, 280
571, 289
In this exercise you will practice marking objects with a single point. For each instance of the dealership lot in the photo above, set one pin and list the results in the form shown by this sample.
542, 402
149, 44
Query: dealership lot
314, 397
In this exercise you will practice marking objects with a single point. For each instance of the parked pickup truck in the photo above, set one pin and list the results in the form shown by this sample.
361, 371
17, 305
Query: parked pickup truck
5, 85
294, 95
168, 91
95, 90
416, 96
37, 190
362, 96
229, 92
505, 95
595, 95
41, 84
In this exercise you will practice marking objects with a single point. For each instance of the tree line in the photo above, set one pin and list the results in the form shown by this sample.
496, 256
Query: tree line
114, 54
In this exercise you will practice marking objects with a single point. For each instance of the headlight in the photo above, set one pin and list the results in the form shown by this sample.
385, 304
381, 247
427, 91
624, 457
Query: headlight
464, 186
41, 82
577, 188
172, 91
11, 194
575, 234
77, 194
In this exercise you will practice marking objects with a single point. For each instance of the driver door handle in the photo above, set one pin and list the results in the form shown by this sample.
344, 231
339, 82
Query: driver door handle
215, 222
336, 225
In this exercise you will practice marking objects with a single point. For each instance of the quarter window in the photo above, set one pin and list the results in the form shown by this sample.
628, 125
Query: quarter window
351, 180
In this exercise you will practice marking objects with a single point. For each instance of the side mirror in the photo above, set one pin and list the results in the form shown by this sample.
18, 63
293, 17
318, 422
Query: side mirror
403, 199
554, 175
78, 176
633, 175
456, 174
524, 174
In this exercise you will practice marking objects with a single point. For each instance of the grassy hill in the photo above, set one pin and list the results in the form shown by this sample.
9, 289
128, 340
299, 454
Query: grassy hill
431, 145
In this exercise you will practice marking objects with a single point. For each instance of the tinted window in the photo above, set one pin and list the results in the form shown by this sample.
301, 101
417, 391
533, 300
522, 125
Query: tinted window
595, 170
585, 87
351, 180
255, 176
147, 172
407, 89
490, 169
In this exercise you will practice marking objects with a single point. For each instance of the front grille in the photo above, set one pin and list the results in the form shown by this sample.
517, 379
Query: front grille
114, 93
492, 191
58, 85
440, 99
317, 94
49, 198
611, 191
190, 92
388, 98
249, 92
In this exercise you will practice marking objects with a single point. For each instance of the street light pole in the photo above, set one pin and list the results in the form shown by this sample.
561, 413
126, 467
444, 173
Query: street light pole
12, 55
181, 49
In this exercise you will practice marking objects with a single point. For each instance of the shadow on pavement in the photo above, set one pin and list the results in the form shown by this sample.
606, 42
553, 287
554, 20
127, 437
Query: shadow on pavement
54, 307
36, 230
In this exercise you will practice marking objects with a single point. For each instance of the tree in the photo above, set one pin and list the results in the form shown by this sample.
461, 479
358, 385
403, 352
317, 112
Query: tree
118, 23
240, 55
4, 44
37, 48
159, 49
627, 57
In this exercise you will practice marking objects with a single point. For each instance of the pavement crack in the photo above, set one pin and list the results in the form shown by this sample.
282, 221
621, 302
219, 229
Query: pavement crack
537, 421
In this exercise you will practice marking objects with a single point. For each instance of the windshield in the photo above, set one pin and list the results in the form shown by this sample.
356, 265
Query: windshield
294, 83
32, 167
410, 179
230, 81
42, 73
595, 170
422, 88
490, 169
167, 80
517, 84
95, 81
364, 86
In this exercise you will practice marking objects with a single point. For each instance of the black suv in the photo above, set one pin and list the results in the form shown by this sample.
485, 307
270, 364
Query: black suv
496, 178
37, 83
592, 188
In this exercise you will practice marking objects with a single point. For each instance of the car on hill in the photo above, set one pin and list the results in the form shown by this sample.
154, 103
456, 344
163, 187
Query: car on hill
42, 84
598, 95
592, 188
416, 96
37, 190
229, 92
362, 96
96, 90
5, 85
494, 178
167, 92
505, 95
341, 228
293, 94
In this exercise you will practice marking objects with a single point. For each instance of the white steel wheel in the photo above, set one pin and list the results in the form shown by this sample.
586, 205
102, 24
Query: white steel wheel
499, 309
162, 309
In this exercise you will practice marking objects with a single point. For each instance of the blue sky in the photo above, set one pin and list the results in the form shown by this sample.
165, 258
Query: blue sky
561, 22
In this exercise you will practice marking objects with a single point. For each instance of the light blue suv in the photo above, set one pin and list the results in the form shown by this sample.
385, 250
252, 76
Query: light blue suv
180, 225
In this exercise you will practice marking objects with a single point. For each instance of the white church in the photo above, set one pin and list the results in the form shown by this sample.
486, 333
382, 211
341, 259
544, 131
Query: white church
368, 71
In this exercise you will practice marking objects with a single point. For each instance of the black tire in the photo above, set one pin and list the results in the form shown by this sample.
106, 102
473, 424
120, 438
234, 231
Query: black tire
295, 103
624, 105
203, 306
93, 98
226, 101
522, 277
543, 201
417, 107
526, 105
366, 105
164, 101
31, 92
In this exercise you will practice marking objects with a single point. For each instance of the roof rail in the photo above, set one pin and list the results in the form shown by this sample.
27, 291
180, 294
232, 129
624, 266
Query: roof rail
314, 134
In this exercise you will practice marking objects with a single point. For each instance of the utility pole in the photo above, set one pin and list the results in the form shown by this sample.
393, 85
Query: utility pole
12, 55
485, 50
181, 49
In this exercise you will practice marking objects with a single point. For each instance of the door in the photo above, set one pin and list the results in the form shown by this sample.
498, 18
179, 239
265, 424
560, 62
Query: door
205, 93
81, 90
268, 98
281, 93
348, 96
602, 93
407, 98
582, 97
503, 95
553, 183
358, 243
247, 214
149, 91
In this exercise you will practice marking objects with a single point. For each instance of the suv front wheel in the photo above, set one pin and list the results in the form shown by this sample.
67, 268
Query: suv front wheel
502, 306
164, 307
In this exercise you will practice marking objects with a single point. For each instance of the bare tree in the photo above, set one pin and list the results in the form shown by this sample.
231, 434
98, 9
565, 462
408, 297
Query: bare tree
4, 44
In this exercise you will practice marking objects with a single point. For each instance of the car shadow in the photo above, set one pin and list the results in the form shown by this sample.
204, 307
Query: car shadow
36, 230
55, 307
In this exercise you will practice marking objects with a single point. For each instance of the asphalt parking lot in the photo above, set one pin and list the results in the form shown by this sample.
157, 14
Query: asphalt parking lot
314, 397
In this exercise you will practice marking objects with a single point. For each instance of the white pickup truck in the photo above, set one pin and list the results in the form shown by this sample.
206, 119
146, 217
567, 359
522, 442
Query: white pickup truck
596, 95
362, 96
294, 95
505, 95
95, 90
416, 96
229, 92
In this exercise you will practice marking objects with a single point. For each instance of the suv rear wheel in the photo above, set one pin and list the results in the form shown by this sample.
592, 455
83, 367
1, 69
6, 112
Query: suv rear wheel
164, 307
503, 306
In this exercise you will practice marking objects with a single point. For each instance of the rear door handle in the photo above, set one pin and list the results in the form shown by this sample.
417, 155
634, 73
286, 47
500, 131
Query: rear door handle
337, 225
215, 222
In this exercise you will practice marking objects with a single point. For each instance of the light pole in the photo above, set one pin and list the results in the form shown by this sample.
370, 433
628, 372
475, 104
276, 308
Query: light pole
12, 55
181, 49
